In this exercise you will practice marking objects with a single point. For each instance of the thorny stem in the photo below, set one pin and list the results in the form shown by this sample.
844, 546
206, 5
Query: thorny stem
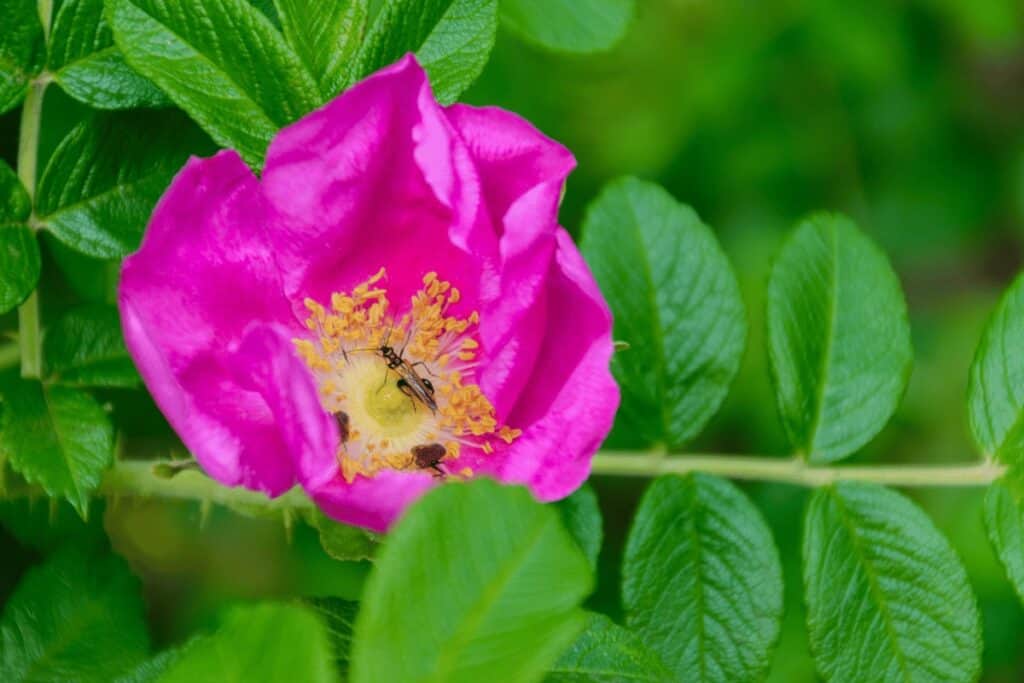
143, 479
28, 160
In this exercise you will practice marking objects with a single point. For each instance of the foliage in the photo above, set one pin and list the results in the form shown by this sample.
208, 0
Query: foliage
479, 581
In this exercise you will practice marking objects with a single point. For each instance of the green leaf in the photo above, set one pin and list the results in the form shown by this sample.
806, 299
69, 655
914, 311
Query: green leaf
86, 348
22, 51
19, 264
101, 183
452, 39
568, 25
326, 36
995, 392
701, 580
607, 653
675, 301
887, 598
582, 518
476, 580
340, 617
87, 65
78, 617
49, 524
222, 62
343, 542
838, 338
15, 206
93, 280
151, 670
258, 643
57, 437
1004, 519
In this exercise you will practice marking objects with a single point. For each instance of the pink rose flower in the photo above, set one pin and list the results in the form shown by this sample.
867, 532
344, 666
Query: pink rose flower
392, 306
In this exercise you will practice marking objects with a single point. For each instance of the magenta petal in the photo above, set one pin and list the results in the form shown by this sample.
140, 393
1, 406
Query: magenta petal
522, 173
371, 503
186, 297
568, 405
376, 178
266, 362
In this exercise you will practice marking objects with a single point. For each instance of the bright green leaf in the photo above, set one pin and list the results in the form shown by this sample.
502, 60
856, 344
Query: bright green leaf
222, 62
326, 36
995, 393
57, 437
260, 643
451, 38
15, 206
19, 264
78, 617
151, 670
701, 580
101, 183
887, 598
607, 653
343, 542
340, 617
568, 25
582, 518
476, 581
86, 348
22, 51
838, 338
87, 65
675, 301
1004, 519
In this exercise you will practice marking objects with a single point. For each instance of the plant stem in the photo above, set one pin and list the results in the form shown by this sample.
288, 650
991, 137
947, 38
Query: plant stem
28, 161
142, 479
795, 470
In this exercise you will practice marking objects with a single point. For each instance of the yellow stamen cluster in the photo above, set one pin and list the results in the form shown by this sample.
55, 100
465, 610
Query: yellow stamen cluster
385, 421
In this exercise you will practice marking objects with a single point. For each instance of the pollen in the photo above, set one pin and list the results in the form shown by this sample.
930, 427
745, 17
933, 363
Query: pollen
401, 377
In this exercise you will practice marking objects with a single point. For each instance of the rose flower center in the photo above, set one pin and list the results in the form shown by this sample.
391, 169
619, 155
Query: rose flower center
400, 388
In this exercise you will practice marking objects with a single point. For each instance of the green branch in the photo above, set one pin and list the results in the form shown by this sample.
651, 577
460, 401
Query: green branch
160, 479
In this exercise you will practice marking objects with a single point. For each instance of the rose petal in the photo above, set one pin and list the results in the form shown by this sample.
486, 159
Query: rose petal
187, 296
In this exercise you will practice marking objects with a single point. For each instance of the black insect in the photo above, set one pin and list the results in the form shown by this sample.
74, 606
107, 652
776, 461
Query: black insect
341, 417
409, 382
429, 456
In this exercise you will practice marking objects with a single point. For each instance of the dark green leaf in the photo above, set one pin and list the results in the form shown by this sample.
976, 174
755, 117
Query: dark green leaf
582, 518
15, 206
451, 38
607, 653
838, 338
1004, 519
887, 598
258, 643
568, 25
326, 36
19, 264
104, 178
86, 348
78, 617
49, 524
151, 670
995, 393
93, 280
222, 62
22, 51
343, 542
675, 301
476, 580
88, 67
56, 437
701, 580
340, 617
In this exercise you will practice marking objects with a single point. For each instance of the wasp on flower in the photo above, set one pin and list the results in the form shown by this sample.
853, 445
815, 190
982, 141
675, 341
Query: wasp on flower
391, 305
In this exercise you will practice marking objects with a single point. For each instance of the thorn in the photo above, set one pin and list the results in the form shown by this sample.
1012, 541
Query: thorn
289, 522
205, 506
53, 511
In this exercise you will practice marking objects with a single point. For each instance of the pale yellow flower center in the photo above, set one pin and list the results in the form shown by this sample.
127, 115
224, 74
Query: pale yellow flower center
401, 389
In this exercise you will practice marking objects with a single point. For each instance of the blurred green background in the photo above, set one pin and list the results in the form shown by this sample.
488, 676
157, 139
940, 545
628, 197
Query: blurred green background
906, 115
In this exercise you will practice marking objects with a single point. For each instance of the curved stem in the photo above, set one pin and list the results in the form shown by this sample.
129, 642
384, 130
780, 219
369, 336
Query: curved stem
795, 470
